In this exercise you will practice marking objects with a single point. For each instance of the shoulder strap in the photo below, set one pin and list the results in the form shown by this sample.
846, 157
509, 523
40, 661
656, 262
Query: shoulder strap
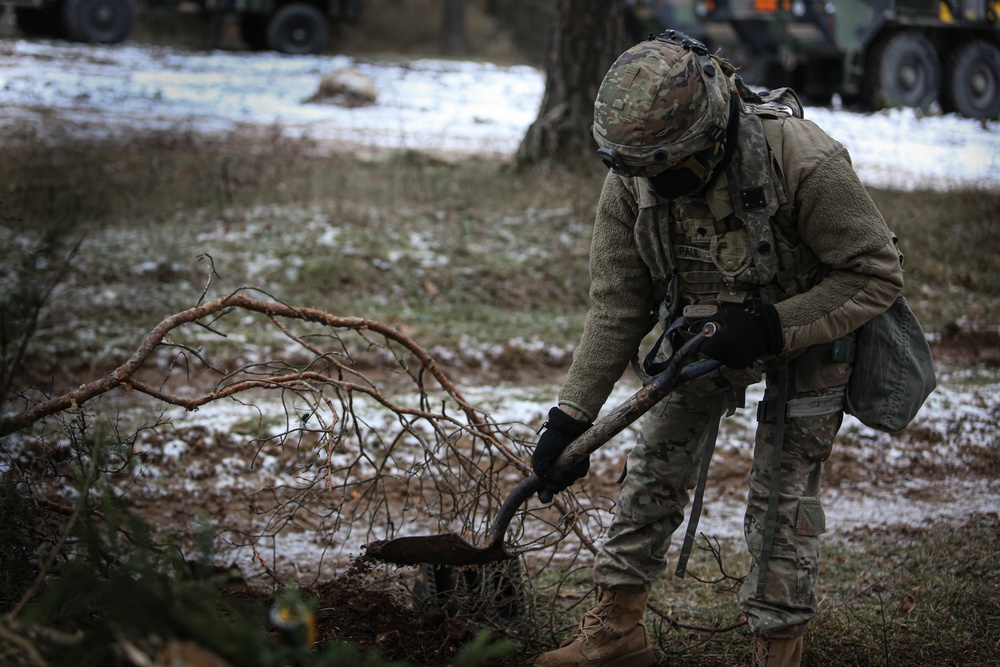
754, 195
772, 107
775, 138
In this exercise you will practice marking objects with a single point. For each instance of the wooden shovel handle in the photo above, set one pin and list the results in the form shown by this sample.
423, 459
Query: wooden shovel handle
681, 369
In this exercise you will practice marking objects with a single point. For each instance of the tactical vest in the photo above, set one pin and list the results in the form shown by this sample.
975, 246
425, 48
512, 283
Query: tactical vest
736, 243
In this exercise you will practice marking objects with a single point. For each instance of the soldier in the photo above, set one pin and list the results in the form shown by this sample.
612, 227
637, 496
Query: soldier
724, 206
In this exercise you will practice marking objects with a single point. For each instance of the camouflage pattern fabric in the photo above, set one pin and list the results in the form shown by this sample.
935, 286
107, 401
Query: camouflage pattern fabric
661, 102
755, 195
661, 471
789, 600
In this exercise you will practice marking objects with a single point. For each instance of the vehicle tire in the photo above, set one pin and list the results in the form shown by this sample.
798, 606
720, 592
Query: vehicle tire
38, 22
297, 29
907, 72
253, 27
102, 21
973, 87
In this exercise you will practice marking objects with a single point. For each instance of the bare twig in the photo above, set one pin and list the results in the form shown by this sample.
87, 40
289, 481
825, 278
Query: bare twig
124, 374
677, 623
369, 455
23, 645
712, 546
43, 571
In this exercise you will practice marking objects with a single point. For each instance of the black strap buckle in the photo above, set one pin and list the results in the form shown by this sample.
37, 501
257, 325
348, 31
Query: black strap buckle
767, 411
613, 161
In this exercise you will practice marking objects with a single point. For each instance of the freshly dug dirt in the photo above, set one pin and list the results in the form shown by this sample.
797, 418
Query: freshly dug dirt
377, 620
350, 610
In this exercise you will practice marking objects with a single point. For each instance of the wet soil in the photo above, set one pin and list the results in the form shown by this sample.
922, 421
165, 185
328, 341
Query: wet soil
377, 620
356, 608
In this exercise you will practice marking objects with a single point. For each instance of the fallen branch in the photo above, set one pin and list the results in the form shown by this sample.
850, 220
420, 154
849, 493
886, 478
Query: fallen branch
675, 622
359, 456
124, 375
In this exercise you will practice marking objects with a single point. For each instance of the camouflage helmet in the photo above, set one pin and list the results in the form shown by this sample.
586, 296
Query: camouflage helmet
662, 101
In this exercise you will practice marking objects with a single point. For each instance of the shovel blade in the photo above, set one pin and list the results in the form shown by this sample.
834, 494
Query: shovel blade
446, 549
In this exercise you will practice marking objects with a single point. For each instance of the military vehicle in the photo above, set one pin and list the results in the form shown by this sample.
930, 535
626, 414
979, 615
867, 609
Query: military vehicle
884, 53
288, 26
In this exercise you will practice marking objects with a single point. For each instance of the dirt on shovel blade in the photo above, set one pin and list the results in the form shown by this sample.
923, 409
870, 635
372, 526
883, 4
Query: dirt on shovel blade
445, 549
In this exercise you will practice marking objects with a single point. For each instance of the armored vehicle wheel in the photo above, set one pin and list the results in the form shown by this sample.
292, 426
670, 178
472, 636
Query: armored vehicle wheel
103, 21
297, 29
973, 87
907, 72
253, 27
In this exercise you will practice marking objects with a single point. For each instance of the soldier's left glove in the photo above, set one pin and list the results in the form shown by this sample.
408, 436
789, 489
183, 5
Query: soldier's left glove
560, 431
744, 336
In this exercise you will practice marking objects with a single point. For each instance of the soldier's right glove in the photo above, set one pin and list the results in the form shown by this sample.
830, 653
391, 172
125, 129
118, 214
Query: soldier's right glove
560, 431
744, 336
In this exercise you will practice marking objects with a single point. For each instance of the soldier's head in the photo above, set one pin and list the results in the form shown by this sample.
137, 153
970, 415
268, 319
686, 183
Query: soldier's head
662, 113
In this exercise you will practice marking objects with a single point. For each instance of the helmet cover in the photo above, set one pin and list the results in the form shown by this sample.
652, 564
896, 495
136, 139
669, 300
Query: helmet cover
662, 101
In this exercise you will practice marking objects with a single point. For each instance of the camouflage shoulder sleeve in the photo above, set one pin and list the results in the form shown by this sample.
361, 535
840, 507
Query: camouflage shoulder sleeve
840, 223
799, 146
621, 309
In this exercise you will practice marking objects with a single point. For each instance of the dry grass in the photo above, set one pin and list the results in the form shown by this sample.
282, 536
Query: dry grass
903, 597
469, 253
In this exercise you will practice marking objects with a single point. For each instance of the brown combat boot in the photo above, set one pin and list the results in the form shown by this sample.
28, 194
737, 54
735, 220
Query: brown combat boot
611, 634
777, 652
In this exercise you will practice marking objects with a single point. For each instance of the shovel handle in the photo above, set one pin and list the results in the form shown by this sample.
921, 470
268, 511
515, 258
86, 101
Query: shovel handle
677, 372
607, 427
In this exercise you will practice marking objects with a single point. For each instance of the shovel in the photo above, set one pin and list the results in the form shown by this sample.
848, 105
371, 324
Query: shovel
450, 549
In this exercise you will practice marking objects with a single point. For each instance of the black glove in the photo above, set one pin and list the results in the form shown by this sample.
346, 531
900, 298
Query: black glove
744, 336
560, 431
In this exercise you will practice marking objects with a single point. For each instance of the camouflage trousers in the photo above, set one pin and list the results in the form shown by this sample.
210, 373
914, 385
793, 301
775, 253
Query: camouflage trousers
662, 469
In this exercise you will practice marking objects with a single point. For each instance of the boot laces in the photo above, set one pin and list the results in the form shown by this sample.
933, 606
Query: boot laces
595, 620
761, 654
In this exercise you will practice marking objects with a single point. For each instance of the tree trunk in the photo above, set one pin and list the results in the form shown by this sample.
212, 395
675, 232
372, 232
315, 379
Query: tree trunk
453, 28
585, 43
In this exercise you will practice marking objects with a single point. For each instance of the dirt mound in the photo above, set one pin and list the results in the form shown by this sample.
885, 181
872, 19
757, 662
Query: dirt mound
350, 609
378, 620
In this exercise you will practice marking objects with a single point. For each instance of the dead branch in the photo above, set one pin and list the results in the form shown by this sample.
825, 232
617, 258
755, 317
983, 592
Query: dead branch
358, 460
712, 546
22, 644
123, 376
675, 622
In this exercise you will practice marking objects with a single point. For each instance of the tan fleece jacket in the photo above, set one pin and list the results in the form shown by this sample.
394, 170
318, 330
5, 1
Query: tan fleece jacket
832, 214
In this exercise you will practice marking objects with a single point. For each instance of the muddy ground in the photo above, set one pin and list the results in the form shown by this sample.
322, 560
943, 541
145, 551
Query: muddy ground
354, 604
